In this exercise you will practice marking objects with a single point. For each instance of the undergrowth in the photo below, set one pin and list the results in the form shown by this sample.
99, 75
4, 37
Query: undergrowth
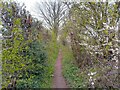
75, 79
52, 49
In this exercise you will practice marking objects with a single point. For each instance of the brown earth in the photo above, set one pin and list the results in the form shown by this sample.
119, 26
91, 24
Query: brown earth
58, 79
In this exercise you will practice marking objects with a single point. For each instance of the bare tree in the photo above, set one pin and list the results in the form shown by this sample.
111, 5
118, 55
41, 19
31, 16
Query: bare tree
53, 14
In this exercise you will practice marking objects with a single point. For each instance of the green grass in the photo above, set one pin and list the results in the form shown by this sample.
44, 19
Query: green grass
0, 42
0, 61
71, 72
0, 69
52, 49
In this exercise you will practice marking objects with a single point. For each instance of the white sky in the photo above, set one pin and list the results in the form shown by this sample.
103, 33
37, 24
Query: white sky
30, 4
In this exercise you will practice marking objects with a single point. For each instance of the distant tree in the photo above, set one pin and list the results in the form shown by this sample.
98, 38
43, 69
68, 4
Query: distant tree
53, 14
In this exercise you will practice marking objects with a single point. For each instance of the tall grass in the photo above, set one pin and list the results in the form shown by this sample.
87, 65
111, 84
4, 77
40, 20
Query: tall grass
0, 62
52, 51
72, 74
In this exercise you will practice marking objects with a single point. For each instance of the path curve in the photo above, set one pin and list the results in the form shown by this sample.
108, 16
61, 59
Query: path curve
59, 80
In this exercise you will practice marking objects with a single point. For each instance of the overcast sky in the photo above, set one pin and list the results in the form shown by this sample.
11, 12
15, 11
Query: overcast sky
30, 4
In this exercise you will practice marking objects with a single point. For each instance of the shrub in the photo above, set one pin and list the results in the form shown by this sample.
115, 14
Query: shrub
34, 69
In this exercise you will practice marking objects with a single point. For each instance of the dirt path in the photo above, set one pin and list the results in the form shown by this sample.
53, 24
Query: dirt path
58, 80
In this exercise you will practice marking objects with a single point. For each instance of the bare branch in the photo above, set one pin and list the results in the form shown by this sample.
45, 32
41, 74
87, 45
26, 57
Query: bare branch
53, 13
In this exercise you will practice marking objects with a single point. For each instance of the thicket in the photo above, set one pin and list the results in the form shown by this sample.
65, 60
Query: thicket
23, 53
32, 74
92, 32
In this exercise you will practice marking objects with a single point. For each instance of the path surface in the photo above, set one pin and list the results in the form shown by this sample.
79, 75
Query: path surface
58, 80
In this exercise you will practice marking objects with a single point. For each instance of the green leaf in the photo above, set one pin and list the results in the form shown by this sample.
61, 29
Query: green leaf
105, 32
17, 21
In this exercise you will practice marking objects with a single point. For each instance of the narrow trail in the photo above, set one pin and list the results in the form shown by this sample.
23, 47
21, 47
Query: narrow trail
58, 80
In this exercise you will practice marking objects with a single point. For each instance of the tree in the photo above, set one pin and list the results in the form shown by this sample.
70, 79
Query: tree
93, 34
19, 41
53, 14
13, 44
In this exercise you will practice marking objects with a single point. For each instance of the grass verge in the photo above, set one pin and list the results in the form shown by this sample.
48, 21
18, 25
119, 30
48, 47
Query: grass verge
52, 49
71, 72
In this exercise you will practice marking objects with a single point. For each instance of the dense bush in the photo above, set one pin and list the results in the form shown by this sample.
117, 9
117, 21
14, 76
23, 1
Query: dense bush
32, 75
23, 55
92, 29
